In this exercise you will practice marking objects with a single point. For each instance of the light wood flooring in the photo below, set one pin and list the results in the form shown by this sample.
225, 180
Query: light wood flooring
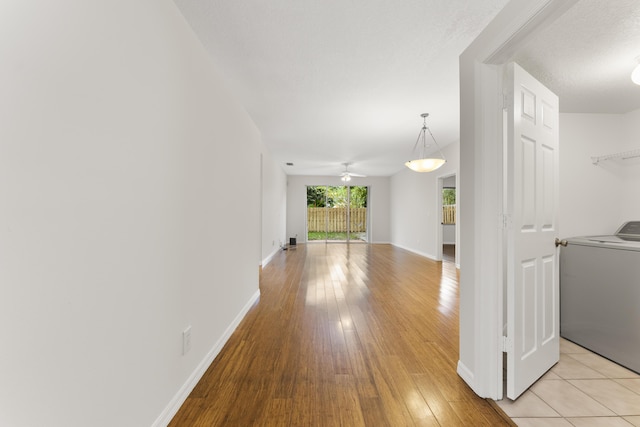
449, 253
343, 335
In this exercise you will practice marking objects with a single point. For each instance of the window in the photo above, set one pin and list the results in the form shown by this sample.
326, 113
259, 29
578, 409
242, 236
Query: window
448, 205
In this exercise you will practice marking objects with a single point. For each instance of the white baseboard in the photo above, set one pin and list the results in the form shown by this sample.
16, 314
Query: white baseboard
426, 255
466, 374
181, 396
268, 259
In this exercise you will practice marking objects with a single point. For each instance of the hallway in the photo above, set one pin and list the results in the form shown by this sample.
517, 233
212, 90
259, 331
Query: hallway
351, 335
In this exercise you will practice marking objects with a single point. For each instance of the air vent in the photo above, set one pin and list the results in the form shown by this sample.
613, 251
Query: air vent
289, 164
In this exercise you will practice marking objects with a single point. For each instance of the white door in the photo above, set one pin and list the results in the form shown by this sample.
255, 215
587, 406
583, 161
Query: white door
533, 310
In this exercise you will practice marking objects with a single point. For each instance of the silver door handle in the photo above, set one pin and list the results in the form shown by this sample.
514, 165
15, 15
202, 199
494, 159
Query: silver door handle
561, 242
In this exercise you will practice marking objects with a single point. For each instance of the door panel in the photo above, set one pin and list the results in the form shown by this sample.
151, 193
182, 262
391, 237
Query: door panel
528, 320
548, 190
532, 205
528, 180
550, 320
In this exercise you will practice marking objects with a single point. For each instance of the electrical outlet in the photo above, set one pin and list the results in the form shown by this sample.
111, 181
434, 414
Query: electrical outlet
186, 340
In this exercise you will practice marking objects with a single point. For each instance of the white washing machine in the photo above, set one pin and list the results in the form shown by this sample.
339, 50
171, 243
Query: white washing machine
600, 294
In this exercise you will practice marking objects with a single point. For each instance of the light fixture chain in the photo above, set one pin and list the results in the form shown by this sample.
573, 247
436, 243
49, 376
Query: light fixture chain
434, 141
418, 140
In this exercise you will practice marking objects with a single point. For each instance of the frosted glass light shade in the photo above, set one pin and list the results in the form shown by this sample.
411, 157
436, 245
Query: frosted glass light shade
635, 75
425, 165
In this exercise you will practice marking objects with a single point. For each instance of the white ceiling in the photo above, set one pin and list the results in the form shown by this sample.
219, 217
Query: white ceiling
335, 81
587, 55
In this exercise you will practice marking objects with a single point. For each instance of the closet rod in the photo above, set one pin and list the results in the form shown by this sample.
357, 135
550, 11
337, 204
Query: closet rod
624, 156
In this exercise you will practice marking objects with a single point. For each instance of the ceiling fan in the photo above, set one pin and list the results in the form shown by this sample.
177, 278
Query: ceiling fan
346, 175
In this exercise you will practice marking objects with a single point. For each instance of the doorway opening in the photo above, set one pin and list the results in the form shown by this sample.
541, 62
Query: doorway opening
337, 213
448, 207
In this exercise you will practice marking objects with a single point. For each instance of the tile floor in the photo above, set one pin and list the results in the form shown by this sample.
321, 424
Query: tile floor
581, 390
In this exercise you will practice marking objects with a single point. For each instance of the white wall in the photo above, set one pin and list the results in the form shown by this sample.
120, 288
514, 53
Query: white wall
414, 205
631, 168
121, 225
598, 199
378, 204
449, 234
274, 207
450, 181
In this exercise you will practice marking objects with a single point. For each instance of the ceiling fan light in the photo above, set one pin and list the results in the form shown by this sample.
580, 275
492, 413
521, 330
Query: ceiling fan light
635, 75
346, 178
425, 165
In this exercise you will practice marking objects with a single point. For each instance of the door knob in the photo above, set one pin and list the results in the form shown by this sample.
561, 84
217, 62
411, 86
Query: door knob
561, 242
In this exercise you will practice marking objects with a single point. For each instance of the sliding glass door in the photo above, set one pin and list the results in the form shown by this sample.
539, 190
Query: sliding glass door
337, 214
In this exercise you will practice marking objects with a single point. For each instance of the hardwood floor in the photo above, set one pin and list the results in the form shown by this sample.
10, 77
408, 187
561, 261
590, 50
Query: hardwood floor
449, 252
343, 335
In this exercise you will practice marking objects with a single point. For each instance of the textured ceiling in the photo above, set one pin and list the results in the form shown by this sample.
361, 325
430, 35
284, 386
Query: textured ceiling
587, 55
334, 81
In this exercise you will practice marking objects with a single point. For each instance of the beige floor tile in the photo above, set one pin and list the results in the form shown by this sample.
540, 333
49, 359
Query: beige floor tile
569, 368
541, 422
631, 384
586, 389
606, 367
635, 421
567, 346
567, 400
599, 422
614, 396
550, 375
527, 405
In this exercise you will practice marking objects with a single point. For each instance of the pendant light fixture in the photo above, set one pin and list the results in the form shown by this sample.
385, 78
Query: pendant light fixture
424, 163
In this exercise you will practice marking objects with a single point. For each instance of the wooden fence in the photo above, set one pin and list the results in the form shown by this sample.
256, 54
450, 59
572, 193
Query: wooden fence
336, 219
449, 214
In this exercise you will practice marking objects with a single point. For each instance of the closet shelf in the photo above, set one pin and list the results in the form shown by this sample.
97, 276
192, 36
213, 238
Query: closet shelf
623, 156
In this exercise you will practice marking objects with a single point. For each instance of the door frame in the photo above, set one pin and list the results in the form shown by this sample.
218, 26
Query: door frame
482, 275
